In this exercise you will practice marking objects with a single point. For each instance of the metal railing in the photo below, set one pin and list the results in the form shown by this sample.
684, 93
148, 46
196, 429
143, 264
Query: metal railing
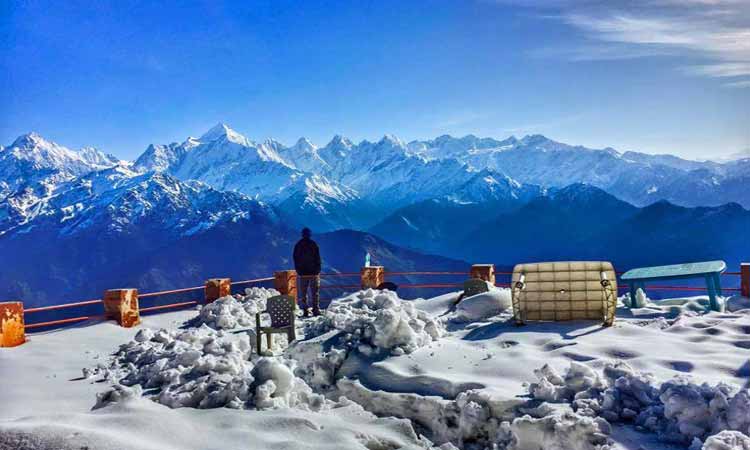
408, 276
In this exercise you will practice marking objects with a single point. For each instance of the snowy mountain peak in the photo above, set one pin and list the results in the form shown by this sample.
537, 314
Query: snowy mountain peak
340, 141
391, 140
97, 158
32, 152
159, 158
31, 139
273, 145
222, 130
303, 156
534, 140
737, 156
304, 144
191, 142
488, 185
583, 193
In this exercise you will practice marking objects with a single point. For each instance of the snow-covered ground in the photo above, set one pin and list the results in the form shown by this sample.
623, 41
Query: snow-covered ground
378, 372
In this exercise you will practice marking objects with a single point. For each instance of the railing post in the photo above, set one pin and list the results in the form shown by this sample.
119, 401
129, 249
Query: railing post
285, 281
12, 331
484, 272
372, 277
745, 279
217, 288
122, 305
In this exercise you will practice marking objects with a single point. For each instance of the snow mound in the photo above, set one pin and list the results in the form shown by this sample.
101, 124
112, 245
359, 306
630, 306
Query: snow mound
475, 419
372, 323
205, 368
727, 440
117, 394
565, 431
231, 312
675, 307
380, 322
482, 306
678, 410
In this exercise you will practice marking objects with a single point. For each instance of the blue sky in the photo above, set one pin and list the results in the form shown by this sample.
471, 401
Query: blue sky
649, 75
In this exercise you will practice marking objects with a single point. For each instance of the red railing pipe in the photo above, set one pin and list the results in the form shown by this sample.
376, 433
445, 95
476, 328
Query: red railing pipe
63, 306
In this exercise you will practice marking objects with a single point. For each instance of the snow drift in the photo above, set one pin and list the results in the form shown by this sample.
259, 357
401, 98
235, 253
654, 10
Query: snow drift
231, 311
678, 410
379, 321
205, 368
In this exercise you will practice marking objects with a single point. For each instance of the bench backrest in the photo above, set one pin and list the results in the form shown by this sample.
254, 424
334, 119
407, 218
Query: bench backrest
567, 290
474, 286
387, 285
281, 310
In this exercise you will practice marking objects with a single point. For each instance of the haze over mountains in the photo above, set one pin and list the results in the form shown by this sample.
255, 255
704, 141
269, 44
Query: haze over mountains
222, 204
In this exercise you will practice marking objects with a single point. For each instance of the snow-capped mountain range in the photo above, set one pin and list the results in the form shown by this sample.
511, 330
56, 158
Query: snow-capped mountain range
390, 173
222, 204
348, 185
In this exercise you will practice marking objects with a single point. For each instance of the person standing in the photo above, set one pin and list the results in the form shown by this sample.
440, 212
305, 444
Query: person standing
307, 264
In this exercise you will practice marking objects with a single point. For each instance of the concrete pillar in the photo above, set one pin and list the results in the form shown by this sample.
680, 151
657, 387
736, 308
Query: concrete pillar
12, 331
372, 277
217, 288
745, 279
122, 305
484, 272
285, 281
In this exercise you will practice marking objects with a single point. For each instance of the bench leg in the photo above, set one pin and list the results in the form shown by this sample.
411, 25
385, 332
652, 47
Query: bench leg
269, 340
631, 285
258, 340
634, 286
714, 304
717, 284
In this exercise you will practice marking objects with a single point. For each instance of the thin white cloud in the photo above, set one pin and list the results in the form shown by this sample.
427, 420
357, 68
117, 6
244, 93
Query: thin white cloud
716, 31
734, 69
738, 84
598, 51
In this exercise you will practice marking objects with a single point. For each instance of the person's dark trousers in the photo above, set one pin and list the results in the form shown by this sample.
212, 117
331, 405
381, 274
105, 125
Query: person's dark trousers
311, 283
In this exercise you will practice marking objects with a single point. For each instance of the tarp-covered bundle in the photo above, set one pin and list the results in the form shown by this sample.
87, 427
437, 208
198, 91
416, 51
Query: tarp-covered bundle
564, 291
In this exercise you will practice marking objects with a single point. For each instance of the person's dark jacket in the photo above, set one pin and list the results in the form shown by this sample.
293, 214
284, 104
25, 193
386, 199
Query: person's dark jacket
307, 257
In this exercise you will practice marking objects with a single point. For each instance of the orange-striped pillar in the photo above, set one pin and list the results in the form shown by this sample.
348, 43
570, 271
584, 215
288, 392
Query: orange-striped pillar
484, 272
745, 279
285, 281
217, 288
372, 277
122, 305
12, 331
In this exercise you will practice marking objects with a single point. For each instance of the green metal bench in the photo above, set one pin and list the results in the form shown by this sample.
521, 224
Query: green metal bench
708, 270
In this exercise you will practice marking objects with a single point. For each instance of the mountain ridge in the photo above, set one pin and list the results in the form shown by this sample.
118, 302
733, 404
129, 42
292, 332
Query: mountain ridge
388, 174
466, 198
